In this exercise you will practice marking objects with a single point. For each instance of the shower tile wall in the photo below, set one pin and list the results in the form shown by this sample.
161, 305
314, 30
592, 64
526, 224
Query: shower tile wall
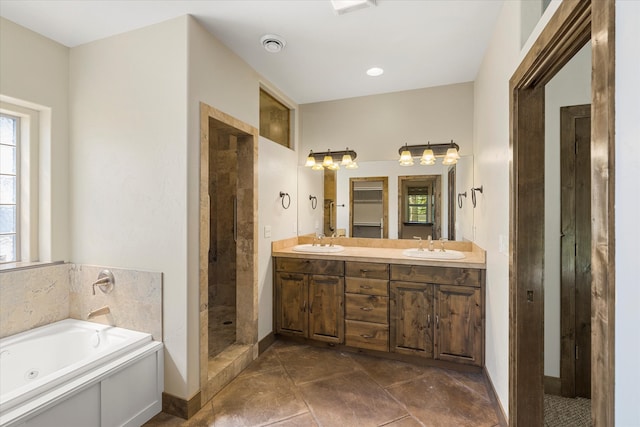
41, 295
222, 259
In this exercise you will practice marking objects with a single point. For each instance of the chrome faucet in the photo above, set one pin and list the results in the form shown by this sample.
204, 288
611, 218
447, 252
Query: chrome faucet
419, 239
442, 244
332, 239
98, 312
318, 240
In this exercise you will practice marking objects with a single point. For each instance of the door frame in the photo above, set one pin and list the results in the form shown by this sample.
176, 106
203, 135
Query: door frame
403, 182
573, 24
385, 202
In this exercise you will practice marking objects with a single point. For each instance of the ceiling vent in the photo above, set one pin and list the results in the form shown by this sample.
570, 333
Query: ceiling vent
273, 43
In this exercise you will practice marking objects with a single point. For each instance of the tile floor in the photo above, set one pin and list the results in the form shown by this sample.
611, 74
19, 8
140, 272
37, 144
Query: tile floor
298, 385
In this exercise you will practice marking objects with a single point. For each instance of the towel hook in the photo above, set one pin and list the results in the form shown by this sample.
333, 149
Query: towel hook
473, 194
460, 196
282, 196
314, 201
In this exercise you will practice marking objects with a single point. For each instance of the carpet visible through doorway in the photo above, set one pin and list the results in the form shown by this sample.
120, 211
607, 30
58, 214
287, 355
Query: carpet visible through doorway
565, 411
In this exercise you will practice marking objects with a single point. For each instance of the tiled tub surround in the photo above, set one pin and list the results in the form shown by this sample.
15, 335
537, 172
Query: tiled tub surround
41, 295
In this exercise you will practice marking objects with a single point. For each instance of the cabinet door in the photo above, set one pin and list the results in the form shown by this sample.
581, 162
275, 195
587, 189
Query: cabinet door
458, 324
411, 319
291, 304
326, 308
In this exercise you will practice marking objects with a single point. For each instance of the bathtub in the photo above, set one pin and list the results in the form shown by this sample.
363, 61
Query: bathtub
74, 372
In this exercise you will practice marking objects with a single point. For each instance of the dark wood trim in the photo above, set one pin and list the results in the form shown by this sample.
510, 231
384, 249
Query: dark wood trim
552, 385
178, 407
574, 23
602, 213
266, 342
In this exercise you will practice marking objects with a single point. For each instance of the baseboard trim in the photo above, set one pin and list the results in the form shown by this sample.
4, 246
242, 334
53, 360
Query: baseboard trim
502, 417
552, 385
179, 407
266, 342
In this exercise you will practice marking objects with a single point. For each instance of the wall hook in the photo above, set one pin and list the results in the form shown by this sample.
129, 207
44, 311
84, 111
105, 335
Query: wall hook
282, 196
473, 194
314, 201
460, 196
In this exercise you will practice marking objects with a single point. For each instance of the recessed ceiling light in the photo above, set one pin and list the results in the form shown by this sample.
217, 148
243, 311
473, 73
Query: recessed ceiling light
375, 71
344, 6
272, 43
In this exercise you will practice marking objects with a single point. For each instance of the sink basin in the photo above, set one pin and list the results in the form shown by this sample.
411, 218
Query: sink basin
436, 254
318, 249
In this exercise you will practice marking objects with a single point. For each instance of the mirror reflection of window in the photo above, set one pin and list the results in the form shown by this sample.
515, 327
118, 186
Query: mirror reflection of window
419, 211
420, 204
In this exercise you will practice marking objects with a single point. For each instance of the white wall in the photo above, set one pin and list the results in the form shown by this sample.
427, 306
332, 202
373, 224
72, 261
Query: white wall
571, 86
310, 183
128, 167
627, 233
376, 126
34, 73
491, 167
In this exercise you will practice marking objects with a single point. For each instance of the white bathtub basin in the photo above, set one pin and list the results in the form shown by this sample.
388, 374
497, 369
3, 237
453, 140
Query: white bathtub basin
435, 254
308, 247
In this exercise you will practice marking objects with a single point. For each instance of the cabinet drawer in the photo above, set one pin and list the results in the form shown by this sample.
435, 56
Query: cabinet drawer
367, 286
367, 308
372, 336
312, 266
437, 275
369, 270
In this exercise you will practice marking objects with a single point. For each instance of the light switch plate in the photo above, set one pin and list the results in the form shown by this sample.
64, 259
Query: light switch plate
267, 231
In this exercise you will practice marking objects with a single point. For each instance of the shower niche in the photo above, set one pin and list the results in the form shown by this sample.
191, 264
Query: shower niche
228, 256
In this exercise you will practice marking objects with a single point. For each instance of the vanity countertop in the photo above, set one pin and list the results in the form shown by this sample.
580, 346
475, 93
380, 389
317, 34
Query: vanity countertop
366, 250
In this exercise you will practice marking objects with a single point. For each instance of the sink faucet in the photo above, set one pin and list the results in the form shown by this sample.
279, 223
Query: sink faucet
442, 244
430, 243
419, 239
332, 239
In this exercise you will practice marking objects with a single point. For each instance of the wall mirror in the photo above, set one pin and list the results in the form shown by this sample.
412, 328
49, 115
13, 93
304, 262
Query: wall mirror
420, 200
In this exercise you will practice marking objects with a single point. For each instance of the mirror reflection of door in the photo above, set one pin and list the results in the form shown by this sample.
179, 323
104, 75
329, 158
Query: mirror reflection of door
419, 206
369, 211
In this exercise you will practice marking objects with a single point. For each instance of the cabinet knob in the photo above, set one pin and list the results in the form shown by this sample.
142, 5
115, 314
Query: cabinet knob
366, 308
366, 336
365, 287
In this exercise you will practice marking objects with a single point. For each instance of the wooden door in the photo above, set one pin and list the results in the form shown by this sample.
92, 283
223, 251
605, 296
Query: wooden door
411, 318
575, 358
326, 308
458, 323
291, 304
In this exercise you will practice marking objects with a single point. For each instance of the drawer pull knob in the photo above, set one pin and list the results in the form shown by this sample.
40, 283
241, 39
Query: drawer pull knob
366, 336
365, 287
366, 308
364, 270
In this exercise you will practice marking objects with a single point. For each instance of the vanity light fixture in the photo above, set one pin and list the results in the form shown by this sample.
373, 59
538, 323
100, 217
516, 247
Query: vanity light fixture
428, 153
331, 160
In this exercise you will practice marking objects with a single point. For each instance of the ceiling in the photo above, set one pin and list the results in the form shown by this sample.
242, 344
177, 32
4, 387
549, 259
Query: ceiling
418, 43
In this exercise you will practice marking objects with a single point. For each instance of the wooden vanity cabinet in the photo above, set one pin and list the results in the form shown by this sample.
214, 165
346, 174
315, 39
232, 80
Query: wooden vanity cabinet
437, 312
309, 298
367, 305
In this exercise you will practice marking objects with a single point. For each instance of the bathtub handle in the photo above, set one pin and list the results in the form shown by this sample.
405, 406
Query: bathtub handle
105, 282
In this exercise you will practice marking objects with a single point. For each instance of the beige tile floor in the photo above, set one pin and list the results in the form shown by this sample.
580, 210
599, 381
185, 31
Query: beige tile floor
298, 385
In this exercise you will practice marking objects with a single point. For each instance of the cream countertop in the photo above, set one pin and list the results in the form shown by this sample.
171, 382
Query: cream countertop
474, 256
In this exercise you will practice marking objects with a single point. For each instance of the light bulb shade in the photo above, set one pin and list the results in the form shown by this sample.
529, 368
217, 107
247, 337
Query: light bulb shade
428, 162
447, 161
405, 158
346, 160
334, 166
317, 167
328, 161
452, 153
311, 161
428, 158
352, 165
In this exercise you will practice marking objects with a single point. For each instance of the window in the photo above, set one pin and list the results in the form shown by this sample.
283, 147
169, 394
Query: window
420, 204
274, 120
9, 189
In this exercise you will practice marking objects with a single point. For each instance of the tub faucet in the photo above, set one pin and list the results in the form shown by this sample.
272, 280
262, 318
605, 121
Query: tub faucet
98, 312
